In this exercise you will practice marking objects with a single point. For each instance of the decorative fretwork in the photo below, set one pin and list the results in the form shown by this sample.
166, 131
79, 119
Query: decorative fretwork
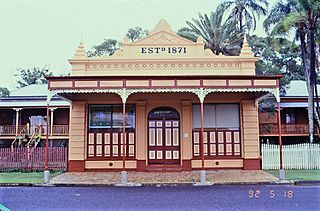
124, 93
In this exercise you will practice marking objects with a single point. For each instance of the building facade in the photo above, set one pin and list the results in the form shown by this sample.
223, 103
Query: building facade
166, 102
294, 117
24, 113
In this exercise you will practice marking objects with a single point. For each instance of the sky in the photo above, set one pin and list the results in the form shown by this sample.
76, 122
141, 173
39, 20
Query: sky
47, 32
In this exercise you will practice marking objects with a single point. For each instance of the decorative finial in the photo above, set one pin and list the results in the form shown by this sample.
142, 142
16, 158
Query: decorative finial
162, 25
200, 40
80, 51
125, 40
246, 49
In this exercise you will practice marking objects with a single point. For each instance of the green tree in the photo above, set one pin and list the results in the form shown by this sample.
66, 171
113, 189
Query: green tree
219, 36
33, 75
277, 56
244, 12
4, 92
301, 16
136, 33
107, 47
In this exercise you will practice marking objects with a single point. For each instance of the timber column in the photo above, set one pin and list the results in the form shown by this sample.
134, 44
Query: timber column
77, 137
186, 140
141, 135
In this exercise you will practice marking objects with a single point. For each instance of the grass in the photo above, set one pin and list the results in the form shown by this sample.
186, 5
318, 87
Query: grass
25, 177
298, 174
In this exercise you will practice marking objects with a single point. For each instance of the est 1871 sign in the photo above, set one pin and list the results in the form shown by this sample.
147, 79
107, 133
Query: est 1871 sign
169, 50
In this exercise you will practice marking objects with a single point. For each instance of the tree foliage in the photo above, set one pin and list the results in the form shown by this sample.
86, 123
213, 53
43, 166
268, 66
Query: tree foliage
136, 33
109, 46
4, 92
33, 75
244, 12
220, 37
302, 17
277, 56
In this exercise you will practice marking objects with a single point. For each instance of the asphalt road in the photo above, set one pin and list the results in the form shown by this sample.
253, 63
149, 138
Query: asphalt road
253, 197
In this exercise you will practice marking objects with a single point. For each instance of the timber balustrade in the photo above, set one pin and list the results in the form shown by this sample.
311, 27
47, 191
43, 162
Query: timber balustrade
270, 128
57, 130
108, 145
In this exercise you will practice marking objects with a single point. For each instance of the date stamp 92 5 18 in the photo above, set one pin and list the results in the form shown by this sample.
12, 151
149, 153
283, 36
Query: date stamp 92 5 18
271, 193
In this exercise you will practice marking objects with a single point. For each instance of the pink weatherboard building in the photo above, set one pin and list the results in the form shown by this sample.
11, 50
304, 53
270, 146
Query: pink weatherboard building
167, 103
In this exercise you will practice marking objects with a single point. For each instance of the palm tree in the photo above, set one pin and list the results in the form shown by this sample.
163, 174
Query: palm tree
303, 16
219, 37
244, 12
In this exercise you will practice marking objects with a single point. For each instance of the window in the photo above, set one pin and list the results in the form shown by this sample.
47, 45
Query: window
105, 137
110, 116
100, 116
221, 130
216, 116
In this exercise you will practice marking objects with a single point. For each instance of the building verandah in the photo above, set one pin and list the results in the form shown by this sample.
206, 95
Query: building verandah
230, 142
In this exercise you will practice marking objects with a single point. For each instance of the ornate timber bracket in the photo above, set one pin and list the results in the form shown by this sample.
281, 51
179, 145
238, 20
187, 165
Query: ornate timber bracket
201, 93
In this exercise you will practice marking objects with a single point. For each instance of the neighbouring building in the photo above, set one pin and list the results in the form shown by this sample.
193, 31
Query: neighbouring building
294, 117
24, 111
167, 103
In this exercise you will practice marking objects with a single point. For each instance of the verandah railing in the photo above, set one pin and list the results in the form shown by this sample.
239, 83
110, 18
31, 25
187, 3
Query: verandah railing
297, 156
57, 130
32, 158
270, 128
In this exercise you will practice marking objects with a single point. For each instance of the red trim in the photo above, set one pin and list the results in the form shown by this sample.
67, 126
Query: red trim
279, 131
50, 78
252, 164
186, 165
216, 168
109, 170
141, 165
76, 165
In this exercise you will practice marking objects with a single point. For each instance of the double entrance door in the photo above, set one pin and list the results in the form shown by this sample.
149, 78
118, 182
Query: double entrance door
164, 137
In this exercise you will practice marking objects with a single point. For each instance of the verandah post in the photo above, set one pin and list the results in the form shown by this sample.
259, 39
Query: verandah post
281, 171
123, 136
202, 134
203, 180
46, 167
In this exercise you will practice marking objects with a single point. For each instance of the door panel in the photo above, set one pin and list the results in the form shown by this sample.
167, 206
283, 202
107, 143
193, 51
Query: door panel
164, 142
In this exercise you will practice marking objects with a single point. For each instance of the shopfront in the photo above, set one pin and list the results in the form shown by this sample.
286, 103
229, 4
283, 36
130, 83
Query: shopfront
166, 103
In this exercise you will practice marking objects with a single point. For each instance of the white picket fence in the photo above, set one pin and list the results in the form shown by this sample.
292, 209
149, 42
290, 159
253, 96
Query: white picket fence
298, 156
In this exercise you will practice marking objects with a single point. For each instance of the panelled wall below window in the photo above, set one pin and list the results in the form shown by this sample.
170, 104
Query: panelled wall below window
221, 131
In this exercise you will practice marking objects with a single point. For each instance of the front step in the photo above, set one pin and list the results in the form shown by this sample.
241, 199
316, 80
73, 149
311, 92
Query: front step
164, 168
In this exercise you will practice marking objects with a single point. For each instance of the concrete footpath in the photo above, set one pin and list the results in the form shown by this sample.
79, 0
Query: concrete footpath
175, 178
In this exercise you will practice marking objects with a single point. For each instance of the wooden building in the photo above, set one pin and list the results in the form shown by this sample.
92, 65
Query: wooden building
176, 105
24, 111
294, 117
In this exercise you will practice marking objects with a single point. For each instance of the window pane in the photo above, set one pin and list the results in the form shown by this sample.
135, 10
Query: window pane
100, 116
209, 116
117, 116
196, 116
227, 116
130, 116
